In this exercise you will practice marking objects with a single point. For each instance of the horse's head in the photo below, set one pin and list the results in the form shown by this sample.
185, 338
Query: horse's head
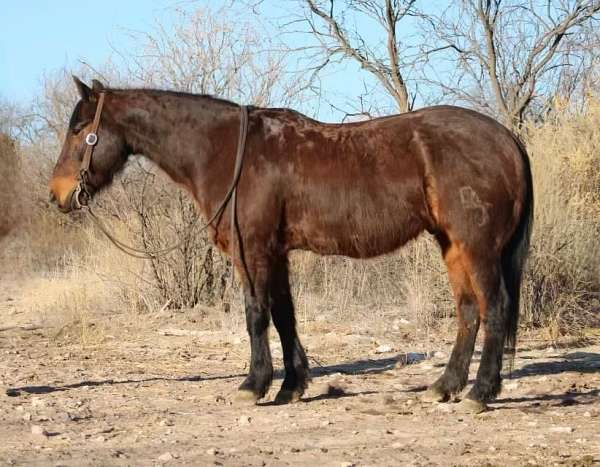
93, 151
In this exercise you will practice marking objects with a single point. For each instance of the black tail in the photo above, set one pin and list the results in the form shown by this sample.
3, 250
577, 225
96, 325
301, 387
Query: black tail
515, 254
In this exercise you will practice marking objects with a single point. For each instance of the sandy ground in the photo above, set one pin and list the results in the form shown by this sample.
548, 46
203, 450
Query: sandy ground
144, 396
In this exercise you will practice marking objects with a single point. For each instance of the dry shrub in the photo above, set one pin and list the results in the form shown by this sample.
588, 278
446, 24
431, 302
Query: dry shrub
193, 274
562, 285
373, 294
156, 215
9, 196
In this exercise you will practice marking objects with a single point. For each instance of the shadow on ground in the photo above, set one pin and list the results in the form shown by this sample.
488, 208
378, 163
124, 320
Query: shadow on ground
582, 362
44, 389
349, 368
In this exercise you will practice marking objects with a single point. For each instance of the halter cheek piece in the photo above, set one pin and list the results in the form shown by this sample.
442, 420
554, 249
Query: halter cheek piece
91, 140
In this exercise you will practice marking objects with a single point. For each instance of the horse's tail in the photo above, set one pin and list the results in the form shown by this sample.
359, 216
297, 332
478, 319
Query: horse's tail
515, 253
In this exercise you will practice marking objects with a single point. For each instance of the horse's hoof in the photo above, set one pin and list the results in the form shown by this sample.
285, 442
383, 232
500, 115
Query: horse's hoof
244, 396
434, 394
286, 396
471, 406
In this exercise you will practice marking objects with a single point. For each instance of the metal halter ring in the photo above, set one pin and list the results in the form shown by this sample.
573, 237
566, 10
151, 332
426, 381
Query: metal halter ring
91, 139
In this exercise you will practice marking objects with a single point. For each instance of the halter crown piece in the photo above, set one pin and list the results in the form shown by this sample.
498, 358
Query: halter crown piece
91, 140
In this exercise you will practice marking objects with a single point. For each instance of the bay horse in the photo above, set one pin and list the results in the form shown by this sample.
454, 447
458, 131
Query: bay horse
357, 189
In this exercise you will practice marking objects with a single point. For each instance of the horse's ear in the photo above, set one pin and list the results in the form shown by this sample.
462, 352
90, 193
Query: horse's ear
82, 88
97, 86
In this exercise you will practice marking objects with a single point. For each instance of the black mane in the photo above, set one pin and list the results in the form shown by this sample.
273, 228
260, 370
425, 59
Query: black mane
168, 92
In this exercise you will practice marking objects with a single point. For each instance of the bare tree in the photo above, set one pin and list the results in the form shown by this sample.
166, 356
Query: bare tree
510, 57
214, 52
388, 61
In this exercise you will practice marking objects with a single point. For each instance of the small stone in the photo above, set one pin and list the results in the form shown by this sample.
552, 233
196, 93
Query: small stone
439, 354
562, 429
384, 348
38, 431
326, 423
166, 457
212, 451
587, 414
446, 408
100, 439
27, 416
346, 464
492, 449
165, 423
244, 420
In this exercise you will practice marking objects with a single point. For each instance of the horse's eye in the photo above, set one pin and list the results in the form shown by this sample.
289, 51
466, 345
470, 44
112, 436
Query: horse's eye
80, 126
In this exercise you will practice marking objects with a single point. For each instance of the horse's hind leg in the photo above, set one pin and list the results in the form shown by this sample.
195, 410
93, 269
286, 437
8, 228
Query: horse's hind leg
294, 359
488, 284
456, 373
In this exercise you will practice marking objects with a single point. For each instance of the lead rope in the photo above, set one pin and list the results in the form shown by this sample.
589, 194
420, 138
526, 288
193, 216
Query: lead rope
238, 169
231, 194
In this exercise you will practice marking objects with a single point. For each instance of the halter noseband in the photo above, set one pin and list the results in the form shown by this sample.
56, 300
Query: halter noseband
91, 140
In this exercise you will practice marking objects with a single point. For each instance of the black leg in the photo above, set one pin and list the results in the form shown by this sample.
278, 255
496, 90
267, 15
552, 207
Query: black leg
488, 382
493, 313
294, 359
259, 379
456, 373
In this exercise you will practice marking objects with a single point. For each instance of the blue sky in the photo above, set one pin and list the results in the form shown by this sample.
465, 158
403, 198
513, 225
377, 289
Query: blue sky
39, 36
42, 36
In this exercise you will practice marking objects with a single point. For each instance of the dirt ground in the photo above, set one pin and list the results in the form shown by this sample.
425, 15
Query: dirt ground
159, 389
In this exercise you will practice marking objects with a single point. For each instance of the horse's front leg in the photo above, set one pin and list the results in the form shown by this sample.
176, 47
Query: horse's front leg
255, 278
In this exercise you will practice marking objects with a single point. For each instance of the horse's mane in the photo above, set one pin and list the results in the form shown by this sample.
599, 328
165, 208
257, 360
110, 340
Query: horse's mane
167, 92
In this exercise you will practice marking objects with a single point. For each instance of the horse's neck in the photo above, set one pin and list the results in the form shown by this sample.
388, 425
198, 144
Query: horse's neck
189, 138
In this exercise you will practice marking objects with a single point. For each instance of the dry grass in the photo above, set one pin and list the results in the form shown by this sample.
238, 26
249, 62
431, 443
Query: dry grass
562, 286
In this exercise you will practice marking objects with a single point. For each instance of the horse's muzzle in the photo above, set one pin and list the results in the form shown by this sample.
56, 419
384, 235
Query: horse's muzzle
77, 198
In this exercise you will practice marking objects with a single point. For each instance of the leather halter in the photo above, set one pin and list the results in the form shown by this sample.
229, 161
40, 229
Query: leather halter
91, 139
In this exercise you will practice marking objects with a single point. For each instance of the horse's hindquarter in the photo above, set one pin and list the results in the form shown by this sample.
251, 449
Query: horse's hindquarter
354, 189
476, 183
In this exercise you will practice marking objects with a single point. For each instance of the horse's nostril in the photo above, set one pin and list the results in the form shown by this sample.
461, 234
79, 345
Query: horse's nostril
52, 198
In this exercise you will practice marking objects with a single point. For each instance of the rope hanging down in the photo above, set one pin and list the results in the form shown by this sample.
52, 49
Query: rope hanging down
231, 195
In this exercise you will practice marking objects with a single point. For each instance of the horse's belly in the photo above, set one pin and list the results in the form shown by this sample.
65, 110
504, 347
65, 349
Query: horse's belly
361, 232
